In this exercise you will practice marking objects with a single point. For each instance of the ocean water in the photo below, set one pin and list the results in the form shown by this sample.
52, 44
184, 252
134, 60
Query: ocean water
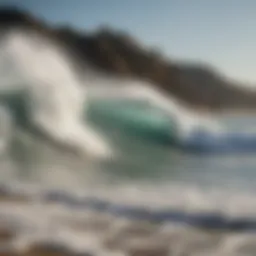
146, 175
56, 153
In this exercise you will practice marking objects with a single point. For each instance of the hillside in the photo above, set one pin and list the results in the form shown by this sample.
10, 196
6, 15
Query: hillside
119, 54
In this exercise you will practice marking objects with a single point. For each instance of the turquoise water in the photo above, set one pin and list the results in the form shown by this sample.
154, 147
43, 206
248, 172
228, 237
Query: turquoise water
135, 118
148, 158
140, 158
145, 160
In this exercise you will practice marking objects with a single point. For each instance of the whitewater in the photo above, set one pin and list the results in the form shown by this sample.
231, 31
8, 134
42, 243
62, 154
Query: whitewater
81, 186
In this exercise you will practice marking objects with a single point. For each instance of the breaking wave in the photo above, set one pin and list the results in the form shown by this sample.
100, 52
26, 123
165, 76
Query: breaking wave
44, 94
45, 103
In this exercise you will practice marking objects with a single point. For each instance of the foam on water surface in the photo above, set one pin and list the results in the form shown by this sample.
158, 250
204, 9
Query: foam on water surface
43, 225
145, 199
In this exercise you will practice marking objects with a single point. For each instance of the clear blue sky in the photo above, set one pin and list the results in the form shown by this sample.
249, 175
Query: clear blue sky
219, 32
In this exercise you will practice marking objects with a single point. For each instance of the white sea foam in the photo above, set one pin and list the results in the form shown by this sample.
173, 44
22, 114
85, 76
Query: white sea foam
41, 70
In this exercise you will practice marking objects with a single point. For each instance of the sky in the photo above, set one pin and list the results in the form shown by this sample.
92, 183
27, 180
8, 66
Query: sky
217, 32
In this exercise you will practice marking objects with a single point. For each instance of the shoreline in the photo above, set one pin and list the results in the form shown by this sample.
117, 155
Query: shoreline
70, 232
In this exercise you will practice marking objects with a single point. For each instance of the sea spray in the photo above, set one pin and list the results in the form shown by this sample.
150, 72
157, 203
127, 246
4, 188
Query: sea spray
55, 101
